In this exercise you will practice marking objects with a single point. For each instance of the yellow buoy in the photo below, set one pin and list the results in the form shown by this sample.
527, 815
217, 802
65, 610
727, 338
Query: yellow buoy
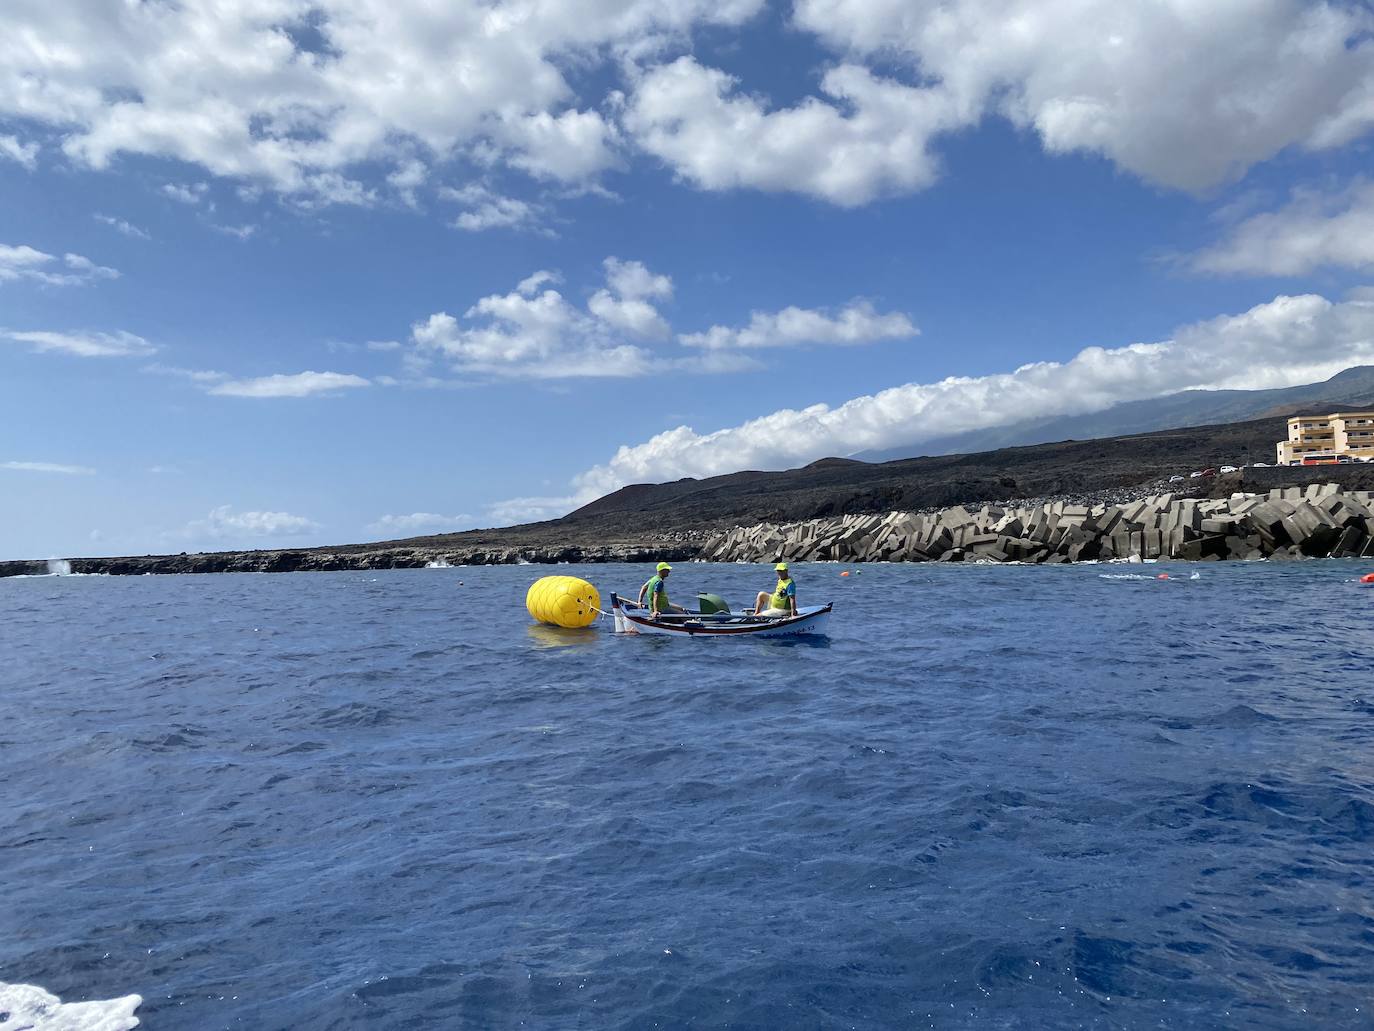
563, 601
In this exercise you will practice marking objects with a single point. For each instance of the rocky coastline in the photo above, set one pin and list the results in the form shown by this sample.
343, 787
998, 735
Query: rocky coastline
1262, 513
1316, 521
305, 560
1319, 520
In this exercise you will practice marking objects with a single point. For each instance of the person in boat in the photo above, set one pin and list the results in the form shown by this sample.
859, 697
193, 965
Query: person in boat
657, 591
783, 600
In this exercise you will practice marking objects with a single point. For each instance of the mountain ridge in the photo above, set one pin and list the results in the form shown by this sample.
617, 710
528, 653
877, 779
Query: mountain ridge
1350, 387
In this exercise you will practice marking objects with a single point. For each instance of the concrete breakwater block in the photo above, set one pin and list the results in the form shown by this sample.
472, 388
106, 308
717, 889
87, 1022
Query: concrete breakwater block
1290, 522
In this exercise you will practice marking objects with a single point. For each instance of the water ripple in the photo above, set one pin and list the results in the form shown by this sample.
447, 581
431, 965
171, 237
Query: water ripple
995, 797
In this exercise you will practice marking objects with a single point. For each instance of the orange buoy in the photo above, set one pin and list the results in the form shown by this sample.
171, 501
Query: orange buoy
845, 573
1162, 576
1368, 578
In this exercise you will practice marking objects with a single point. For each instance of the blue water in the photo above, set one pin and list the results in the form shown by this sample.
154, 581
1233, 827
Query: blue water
995, 797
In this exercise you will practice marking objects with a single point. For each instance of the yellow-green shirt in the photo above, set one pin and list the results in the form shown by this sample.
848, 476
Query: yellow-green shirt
655, 588
781, 597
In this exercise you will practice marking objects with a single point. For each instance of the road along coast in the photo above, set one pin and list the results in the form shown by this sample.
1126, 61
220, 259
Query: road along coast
1318, 520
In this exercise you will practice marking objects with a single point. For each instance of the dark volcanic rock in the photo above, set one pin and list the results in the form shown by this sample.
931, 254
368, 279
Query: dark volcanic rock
675, 521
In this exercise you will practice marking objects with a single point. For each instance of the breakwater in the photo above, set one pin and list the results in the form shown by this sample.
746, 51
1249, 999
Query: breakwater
1315, 520
676, 548
1318, 520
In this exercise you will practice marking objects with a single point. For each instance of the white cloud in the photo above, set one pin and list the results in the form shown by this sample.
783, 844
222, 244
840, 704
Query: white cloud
306, 96
324, 188
291, 94
530, 285
633, 281
21, 261
531, 510
242, 232
192, 193
570, 147
223, 522
85, 269
1313, 230
632, 316
856, 323
48, 467
489, 210
25, 262
626, 305
13, 149
301, 384
1286, 341
82, 344
127, 228
871, 140
1184, 94
408, 177
535, 332
202, 376
417, 521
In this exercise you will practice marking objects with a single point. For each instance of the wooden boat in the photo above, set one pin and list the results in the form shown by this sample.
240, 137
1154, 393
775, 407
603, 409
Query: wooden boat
631, 618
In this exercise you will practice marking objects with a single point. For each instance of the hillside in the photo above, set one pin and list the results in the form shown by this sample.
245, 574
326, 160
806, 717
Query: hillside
834, 486
1352, 388
672, 520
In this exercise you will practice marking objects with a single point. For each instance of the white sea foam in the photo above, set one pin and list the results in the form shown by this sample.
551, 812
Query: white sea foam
1165, 577
59, 567
440, 563
50, 575
26, 1007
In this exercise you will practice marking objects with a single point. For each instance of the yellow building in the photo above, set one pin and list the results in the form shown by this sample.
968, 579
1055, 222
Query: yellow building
1316, 437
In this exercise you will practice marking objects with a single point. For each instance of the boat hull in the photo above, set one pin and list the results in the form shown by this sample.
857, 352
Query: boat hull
632, 619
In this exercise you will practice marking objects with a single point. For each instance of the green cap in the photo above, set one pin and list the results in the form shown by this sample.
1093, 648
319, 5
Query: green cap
663, 567
781, 567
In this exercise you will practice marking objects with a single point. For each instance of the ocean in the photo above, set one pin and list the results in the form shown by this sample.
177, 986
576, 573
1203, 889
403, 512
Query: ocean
993, 797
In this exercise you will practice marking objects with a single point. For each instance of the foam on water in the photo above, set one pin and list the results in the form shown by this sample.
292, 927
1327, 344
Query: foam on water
27, 1007
56, 567
1149, 577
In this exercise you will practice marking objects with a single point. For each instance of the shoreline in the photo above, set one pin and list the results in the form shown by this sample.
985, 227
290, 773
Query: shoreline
1130, 525
323, 560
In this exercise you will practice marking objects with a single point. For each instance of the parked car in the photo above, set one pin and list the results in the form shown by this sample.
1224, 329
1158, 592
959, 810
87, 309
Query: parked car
1260, 465
1195, 475
1177, 479
1209, 473
1229, 469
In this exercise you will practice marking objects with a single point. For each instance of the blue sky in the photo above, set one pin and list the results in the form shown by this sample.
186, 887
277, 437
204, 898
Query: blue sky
310, 272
